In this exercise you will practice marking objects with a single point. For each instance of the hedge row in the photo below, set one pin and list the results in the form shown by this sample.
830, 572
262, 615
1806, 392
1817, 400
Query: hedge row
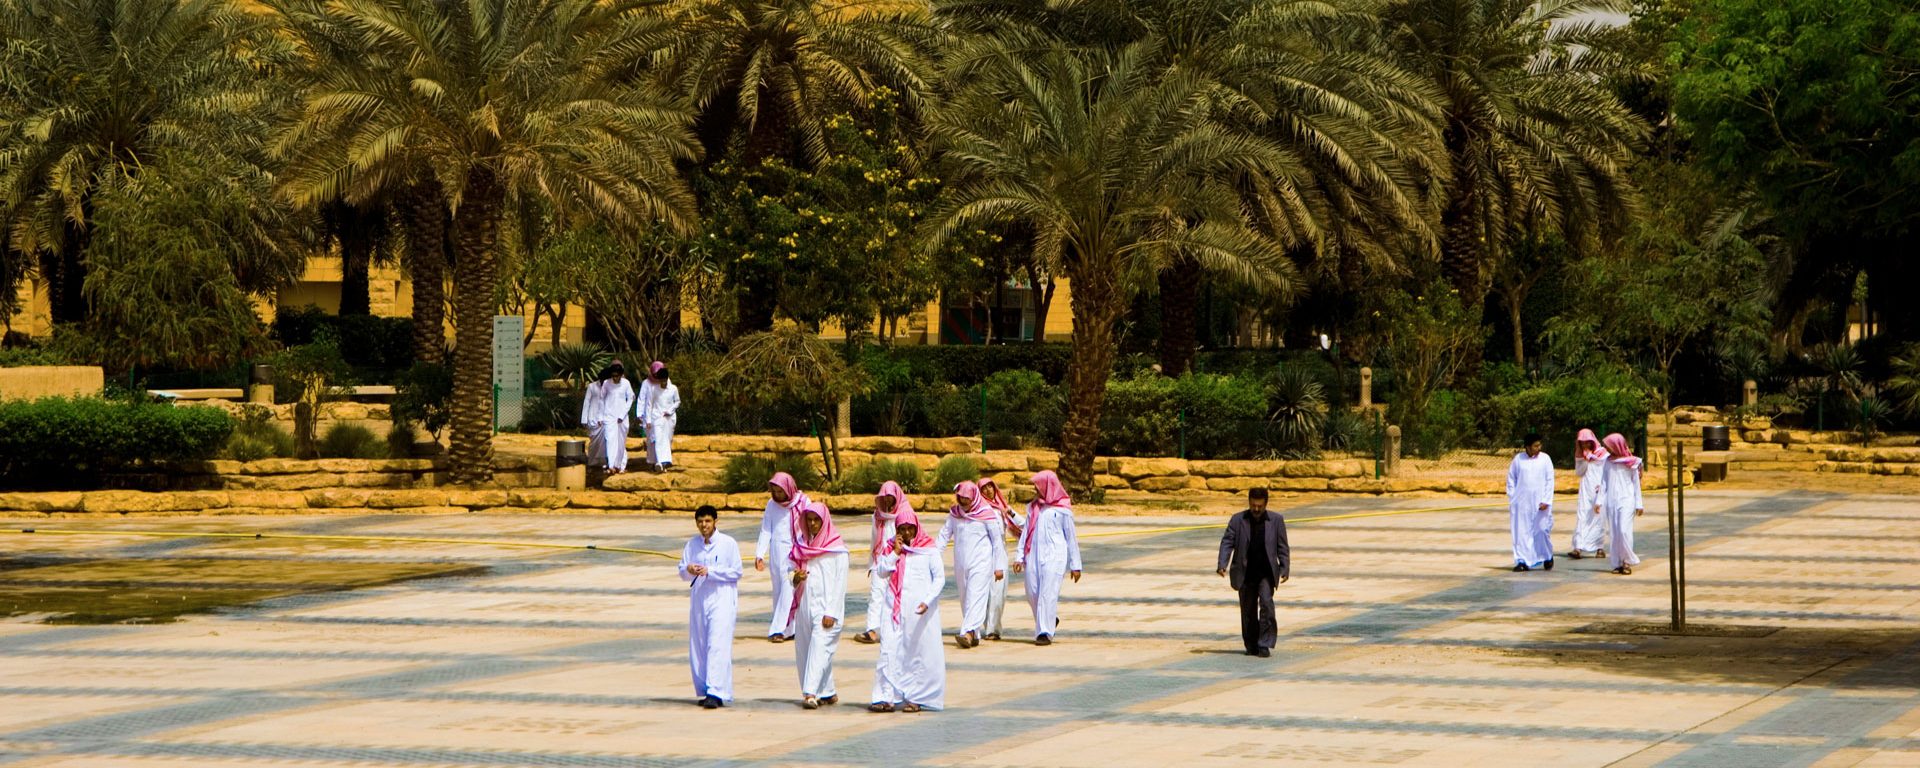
70, 443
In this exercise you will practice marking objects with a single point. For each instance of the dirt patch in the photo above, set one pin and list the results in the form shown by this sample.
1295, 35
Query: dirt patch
149, 591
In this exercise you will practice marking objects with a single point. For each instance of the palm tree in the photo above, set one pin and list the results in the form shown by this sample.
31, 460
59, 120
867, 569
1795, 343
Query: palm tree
1117, 166
489, 100
1532, 132
770, 73
95, 90
1362, 130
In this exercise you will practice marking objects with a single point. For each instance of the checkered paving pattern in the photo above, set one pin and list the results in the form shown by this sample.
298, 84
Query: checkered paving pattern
1404, 642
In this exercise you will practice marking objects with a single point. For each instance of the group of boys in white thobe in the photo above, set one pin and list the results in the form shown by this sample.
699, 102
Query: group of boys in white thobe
603, 413
810, 563
658, 408
1609, 499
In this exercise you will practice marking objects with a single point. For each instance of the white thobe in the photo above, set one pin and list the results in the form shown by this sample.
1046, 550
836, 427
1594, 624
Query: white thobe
1055, 553
776, 540
1590, 527
823, 594
912, 668
1530, 485
603, 412
876, 586
972, 567
1619, 498
997, 594
715, 603
658, 409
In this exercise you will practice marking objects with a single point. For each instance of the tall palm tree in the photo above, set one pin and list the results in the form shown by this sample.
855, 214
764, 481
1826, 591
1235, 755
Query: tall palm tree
489, 100
768, 74
1532, 131
1117, 165
1297, 72
92, 90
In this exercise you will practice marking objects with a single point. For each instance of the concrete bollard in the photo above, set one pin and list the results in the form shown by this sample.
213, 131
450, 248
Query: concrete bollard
570, 465
1393, 451
1366, 388
1750, 393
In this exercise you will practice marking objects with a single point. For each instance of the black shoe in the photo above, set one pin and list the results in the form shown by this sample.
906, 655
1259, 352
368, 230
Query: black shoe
1549, 565
1043, 640
1263, 653
710, 702
1520, 567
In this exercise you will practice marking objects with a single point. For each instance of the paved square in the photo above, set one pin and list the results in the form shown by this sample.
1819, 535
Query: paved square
1404, 642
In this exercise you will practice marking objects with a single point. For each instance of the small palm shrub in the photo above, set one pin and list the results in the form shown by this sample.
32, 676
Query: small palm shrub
748, 473
867, 478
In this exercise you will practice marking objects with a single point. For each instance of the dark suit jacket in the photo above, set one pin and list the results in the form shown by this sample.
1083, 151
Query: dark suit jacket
1237, 545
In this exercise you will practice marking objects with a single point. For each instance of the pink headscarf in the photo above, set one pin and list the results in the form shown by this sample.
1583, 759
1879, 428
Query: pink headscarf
922, 545
888, 489
1048, 492
1622, 453
998, 501
654, 369
971, 506
796, 500
828, 542
1587, 436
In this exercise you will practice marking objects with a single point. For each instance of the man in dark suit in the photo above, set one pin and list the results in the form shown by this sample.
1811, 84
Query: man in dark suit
1254, 557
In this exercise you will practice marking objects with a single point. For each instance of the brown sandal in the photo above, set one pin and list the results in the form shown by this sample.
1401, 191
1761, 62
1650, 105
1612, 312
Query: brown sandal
880, 706
910, 708
866, 638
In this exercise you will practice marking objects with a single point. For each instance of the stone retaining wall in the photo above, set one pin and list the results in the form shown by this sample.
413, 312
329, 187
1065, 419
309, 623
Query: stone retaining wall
1759, 446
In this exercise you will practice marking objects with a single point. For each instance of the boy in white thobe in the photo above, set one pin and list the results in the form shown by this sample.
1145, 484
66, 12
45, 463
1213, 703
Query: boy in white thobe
603, 413
1530, 507
1620, 501
887, 506
776, 539
820, 580
1589, 523
658, 409
1048, 553
912, 669
711, 564
969, 528
1005, 521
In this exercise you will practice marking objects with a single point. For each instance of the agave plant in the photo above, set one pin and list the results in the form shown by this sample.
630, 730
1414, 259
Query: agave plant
1298, 413
1870, 415
1904, 384
576, 363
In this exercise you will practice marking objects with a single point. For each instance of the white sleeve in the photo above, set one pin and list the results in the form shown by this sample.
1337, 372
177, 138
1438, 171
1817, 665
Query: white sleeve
672, 404
686, 559
999, 544
946, 534
1073, 542
765, 543
589, 404
937, 572
1638, 502
1513, 477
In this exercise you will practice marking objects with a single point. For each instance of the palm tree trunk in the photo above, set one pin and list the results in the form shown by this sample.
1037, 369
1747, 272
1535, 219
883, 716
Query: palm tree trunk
1179, 295
1519, 337
426, 265
1095, 308
476, 227
356, 268
66, 274
1462, 233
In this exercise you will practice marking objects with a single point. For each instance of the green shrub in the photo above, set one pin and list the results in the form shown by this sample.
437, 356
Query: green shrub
748, 473
256, 437
19, 357
1444, 428
70, 443
551, 412
1299, 413
1221, 416
1559, 409
424, 396
1347, 430
867, 478
1022, 403
352, 441
949, 411
952, 471
969, 364
400, 441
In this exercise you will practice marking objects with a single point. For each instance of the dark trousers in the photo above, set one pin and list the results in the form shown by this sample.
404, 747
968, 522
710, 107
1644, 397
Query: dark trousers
1257, 625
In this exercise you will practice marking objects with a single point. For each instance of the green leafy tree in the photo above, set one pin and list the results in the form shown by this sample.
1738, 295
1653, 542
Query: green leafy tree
94, 92
491, 100
1116, 165
1811, 103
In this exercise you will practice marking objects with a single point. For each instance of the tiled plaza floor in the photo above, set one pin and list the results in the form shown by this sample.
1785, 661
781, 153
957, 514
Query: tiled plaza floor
1404, 642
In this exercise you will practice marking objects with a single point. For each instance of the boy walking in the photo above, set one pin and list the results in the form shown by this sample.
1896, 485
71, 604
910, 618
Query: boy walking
711, 566
1530, 507
1254, 557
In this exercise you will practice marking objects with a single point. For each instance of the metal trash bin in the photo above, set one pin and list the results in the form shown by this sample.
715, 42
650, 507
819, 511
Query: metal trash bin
260, 385
570, 465
1716, 437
